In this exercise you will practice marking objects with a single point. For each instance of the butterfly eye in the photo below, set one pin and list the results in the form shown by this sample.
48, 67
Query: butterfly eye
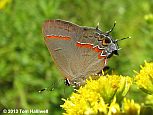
106, 41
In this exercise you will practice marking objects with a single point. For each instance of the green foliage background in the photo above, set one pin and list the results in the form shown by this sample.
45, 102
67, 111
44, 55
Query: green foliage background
25, 63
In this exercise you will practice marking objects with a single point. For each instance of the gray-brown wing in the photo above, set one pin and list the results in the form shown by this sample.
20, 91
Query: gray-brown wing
61, 38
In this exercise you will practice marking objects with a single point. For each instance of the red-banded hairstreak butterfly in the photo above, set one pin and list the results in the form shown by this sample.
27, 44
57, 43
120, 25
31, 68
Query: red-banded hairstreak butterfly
78, 51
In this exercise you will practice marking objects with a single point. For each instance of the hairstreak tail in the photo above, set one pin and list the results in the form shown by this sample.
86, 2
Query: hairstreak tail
78, 51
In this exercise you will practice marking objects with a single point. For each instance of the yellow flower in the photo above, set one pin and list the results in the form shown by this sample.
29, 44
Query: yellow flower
97, 96
84, 103
144, 79
3, 3
114, 108
149, 100
130, 107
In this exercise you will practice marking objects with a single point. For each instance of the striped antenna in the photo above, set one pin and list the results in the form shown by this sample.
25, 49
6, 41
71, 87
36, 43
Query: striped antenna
111, 28
123, 39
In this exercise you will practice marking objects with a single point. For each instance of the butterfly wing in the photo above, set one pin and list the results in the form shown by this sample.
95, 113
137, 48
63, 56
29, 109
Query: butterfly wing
75, 62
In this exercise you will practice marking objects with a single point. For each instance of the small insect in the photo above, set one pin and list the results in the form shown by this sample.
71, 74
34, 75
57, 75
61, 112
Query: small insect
78, 51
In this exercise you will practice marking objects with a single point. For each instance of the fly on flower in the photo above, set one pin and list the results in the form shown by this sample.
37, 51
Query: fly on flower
78, 51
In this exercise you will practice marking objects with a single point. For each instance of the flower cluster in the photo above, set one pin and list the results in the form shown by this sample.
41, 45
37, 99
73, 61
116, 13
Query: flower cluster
106, 96
98, 96
144, 79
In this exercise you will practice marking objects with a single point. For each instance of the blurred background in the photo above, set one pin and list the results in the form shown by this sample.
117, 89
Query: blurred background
25, 63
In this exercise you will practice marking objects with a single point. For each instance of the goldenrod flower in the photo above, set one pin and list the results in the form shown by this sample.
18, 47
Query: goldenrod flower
3, 3
130, 107
98, 96
144, 79
114, 107
149, 100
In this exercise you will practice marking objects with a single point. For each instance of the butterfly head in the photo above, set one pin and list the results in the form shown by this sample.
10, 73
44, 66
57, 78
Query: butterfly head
106, 41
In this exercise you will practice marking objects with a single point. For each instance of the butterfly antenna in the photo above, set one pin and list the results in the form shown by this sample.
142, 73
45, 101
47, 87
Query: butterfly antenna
123, 39
111, 28
97, 27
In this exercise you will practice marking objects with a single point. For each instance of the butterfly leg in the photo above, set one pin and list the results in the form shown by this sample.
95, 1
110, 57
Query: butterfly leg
105, 62
103, 55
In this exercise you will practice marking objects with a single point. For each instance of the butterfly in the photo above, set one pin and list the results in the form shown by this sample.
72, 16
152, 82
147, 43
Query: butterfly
78, 51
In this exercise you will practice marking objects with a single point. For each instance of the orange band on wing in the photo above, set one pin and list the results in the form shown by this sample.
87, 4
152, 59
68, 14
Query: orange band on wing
87, 45
100, 57
84, 45
91, 46
58, 37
